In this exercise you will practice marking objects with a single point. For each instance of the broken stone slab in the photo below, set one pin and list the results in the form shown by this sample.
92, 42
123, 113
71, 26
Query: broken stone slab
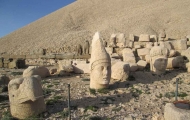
173, 112
144, 38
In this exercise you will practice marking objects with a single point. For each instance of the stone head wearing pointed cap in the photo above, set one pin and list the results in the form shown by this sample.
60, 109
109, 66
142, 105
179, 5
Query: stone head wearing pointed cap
100, 64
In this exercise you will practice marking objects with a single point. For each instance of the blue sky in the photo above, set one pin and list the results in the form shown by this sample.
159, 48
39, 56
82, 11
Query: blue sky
15, 14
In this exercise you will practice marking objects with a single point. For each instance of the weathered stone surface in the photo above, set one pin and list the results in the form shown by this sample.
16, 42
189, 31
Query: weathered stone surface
36, 70
141, 64
149, 45
112, 40
109, 50
162, 35
128, 55
65, 65
120, 71
158, 61
86, 47
137, 46
133, 67
176, 62
100, 64
144, 38
147, 58
114, 60
30, 101
171, 112
143, 51
120, 40
81, 67
131, 37
179, 44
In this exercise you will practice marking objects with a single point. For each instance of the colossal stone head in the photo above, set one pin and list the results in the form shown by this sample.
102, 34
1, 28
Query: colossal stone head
158, 62
100, 64
26, 97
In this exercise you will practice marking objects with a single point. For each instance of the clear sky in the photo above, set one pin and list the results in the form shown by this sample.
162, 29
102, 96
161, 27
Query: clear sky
15, 14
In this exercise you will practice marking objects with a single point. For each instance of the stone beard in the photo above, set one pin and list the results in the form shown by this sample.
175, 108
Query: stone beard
100, 74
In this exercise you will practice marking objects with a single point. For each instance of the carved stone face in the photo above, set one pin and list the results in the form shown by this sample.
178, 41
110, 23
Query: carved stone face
160, 64
100, 75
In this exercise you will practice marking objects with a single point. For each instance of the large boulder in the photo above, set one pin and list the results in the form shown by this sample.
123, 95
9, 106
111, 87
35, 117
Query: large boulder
120, 71
36, 70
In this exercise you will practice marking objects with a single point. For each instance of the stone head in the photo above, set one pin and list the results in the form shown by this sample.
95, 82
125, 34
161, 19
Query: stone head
100, 65
159, 59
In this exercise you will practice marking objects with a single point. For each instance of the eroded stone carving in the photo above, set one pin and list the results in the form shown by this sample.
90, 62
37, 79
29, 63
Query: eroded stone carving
113, 40
26, 97
100, 64
86, 47
158, 59
36, 70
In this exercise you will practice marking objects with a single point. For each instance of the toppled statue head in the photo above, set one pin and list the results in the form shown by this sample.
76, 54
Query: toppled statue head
158, 62
100, 64
26, 97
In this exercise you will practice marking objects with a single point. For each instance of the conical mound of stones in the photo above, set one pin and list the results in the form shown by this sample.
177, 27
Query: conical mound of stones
77, 22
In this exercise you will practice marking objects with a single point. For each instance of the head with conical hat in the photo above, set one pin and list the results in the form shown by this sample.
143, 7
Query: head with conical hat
100, 64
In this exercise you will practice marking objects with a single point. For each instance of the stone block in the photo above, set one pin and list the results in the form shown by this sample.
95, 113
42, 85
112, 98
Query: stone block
143, 51
131, 37
133, 67
64, 56
144, 38
141, 64
47, 56
109, 50
137, 46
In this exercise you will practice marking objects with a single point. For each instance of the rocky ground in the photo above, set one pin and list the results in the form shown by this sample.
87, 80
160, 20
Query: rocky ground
141, 97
